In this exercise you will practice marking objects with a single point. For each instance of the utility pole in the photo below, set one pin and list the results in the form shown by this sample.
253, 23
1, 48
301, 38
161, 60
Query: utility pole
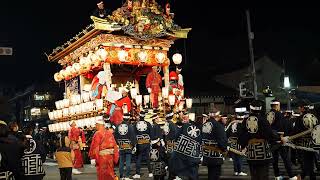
250, 38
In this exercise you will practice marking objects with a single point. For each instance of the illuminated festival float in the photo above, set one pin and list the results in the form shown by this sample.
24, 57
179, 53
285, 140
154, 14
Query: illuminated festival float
120, 65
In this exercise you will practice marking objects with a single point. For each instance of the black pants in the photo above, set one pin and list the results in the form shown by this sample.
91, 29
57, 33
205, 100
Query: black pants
158, 177
65, 173
308, 165
259, 171
283, 152
214, 172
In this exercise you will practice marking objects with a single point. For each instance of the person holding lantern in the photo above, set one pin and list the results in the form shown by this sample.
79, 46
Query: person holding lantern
77, 141
104, 152
153, 84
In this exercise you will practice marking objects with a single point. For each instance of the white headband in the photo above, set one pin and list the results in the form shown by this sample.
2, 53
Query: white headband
255, 108
275, 102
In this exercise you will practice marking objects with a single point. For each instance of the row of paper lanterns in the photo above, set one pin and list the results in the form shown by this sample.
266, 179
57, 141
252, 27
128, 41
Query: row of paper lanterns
65, 126
95, 59
86, 107
74, 100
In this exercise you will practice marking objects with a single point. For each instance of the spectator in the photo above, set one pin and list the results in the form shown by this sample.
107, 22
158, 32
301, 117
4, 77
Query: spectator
65, 158
11, 153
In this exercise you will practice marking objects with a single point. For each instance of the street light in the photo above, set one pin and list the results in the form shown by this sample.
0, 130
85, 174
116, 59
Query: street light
286, 85
286, 82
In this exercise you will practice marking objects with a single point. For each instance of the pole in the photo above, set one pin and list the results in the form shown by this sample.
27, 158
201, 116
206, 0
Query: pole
250, 38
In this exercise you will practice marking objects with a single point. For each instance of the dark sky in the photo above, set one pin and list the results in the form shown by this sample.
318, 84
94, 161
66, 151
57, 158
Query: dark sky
217, 43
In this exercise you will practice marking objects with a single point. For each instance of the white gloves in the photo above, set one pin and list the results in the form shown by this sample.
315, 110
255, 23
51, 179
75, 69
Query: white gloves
228, 148
162, 143
134, 150
149, 90
166, 168
93, 162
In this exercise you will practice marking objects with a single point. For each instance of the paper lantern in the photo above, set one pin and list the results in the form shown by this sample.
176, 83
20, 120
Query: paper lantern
143, 55
192, 116
78, 98
57, 77
189, 103
76, 68
77, 109
165, 92
85, 96
122, 55
102, 54
65, 112
177, 58
99, 104
50, 114
59, 114
83, 107
139, 100
66, 103
172, 99
160, 57
133, 92
146, 99
69, 70
57, 104
71, 111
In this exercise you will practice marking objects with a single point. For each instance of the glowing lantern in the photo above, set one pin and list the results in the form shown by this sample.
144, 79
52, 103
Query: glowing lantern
165, 92
146, 99
71, 110
99, 104
143, 56
57, 77
65, 112
133, 92
50, 114
177, 58
85, 96
77, 109
76, 67
102, 54
66, 103
59, 114
160, 57
57, 103
122, 55
139, 99
172, 99
192, 116
189, 103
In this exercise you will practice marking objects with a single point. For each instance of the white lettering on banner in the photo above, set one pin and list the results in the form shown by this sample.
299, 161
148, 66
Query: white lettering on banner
32, 164
187, 146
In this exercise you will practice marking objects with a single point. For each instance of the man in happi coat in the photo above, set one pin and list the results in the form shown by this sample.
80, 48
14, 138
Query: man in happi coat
153, 83
104, 152
77, 141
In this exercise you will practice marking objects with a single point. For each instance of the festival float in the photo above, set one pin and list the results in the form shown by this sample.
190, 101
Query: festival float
103, 67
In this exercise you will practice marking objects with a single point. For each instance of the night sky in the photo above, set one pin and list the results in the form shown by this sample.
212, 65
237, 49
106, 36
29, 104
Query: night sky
218, 41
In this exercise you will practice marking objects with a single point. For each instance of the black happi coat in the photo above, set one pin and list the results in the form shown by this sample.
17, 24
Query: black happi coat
33, 159
156, 132
186, 155
300, 126
158, 160
256, 133
170, 134
277, 121
233, 135
125, 136
143, 130
214, 142
11, 165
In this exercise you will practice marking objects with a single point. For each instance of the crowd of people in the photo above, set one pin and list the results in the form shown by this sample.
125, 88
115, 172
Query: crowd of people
175, 149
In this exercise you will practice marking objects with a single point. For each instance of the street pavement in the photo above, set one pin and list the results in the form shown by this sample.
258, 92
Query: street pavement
52, 172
